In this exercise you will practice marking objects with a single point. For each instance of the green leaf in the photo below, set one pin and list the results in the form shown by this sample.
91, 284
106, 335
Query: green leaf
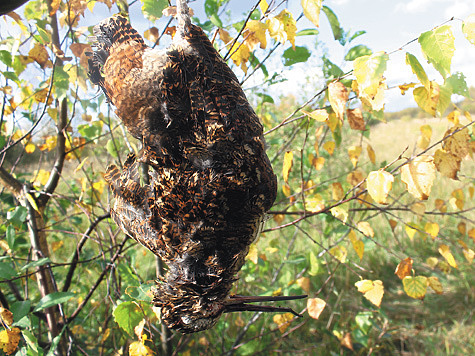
32, 343
11, 76
334, 23
468, 28
141, 293
7, 271
17, 216
112, 149
307, 32
363, 320
415, 287
265, 98
20, 309
152, 9
355, 35
90, 131
10, 236
314, 265
438, 47
53, 299
458, 84
61, 82
331, 70
38, 263
417, 70
291, 56
311, 10
128, 315
6, 58
211, 10
357, 51
445, 96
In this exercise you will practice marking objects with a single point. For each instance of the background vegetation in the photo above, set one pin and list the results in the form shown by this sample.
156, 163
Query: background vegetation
358, 199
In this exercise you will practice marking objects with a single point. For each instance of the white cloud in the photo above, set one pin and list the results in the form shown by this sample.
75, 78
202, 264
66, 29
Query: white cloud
460, 8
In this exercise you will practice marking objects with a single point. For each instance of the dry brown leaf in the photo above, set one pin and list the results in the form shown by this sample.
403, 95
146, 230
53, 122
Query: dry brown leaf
447, 164
404, 268
355, 119
338, 96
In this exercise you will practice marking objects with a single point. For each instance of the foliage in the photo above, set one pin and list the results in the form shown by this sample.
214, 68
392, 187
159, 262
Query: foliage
366, 239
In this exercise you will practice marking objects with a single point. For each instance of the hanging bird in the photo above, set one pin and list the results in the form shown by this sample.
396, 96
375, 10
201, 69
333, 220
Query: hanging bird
211, 182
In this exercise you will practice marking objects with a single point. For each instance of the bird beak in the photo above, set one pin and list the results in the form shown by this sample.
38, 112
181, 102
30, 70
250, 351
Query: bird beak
240, 303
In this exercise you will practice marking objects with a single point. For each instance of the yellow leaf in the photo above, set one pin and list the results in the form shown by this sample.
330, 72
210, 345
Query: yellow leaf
462, 228
337, 191
283, 27
56, 245
263, 5
432, 229
358, 246
314, 203
315, 306
9, 340
404, 268
50, 143
440, 205
252, 254
329, 146
320, 115
286, 190
283, 321
339, 252
379, 184
365, 228
30, 147
41, 178
458, 199
6, 316
418, 209
454, 117
371, 154
152, 34
354, 152
406, 87
471, 234
419, 175
444, 250
304, 283
279, 218
318, 162
311, 10
471, 191
415, 287
138, 348
333, 122
255, 34
410, 231
446, 163
340, 213
468, 254
422, 142
435, 284
239, 322
432, 262
338, 96
288, 162
240, 54
427, 99
459, 143
39, 54
426, 131
356, 119
138, 330
372, 290
99, 186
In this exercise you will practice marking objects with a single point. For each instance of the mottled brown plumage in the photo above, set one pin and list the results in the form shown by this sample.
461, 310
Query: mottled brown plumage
211, 182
